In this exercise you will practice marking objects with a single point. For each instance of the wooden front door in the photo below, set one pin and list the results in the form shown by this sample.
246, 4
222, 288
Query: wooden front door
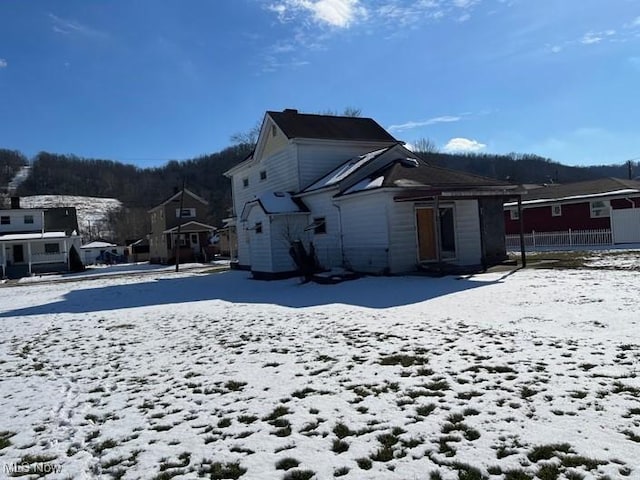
426, 227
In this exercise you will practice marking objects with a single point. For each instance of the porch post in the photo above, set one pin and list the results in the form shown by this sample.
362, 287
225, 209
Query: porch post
523, 255
438, 227
66, 253
29, 255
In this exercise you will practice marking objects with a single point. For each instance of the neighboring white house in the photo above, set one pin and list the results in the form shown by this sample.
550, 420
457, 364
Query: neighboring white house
36, 240
361, 198
101, 252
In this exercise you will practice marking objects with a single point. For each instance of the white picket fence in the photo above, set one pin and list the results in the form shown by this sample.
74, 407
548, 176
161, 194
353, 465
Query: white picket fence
565, 239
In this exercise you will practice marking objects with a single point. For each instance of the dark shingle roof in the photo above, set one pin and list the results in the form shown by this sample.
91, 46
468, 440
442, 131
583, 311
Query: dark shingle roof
60, 219
303, 125
400, 174
589, 187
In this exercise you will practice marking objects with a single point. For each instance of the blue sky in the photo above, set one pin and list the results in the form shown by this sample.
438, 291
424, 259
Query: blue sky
147, 81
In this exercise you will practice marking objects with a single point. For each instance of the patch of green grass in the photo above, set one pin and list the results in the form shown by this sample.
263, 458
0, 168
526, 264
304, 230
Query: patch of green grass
299, 475
278, 412
631, 435
341, 430
287, 463
105, 445
384, 454
247, 419
220, 471
425, 410
234, 386
364, 463
340, 472
548, 471
547, 452
4, 438
517, 474
224, 422
580, 461
339, 446
404, 360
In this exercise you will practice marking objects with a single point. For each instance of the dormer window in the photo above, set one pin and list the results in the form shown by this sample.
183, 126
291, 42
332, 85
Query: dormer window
263, 175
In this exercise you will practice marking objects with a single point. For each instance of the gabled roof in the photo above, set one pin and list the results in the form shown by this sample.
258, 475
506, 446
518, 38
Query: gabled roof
98, 244
304, 125
191, 226
577, 190
176, 196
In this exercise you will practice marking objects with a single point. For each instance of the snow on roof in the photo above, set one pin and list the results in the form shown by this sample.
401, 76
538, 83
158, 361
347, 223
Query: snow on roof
31, 236
279, 202
98, 245
344, 170
628, 191
365, 184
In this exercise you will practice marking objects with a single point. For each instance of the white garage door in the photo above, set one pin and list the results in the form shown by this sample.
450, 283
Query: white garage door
626, 225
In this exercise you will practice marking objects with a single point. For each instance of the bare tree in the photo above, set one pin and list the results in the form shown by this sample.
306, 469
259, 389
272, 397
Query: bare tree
424, 145
250, 137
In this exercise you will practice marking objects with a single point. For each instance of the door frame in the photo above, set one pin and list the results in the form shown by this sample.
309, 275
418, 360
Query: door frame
437, 228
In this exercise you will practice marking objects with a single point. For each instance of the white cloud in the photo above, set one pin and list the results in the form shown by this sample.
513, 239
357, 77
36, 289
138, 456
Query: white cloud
334, 13
65, 26
591, 38
3, 63
464, 145
423, 123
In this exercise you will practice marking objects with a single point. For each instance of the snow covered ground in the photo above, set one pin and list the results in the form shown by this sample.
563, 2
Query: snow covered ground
215, 375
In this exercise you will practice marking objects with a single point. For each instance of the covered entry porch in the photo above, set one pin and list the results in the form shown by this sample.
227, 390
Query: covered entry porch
29, 253
189, 242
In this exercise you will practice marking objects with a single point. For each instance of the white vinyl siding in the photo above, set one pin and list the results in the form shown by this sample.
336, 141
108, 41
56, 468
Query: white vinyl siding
16, 221
468, 243
327, 245
284, 229
259, 243
365, 232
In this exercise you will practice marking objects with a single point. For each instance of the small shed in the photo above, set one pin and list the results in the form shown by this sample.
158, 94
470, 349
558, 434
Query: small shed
102, 252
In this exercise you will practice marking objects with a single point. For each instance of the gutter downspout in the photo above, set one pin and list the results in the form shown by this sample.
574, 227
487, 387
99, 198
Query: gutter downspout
341, 233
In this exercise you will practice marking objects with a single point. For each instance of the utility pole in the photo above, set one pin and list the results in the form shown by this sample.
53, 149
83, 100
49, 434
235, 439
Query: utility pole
177, 242
630, 169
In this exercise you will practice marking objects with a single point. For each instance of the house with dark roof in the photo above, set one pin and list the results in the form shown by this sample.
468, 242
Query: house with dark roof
604, 204
178, 227
37, 240
348, 188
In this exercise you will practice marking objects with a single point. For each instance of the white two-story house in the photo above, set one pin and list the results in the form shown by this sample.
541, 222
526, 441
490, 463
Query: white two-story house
365, 202
36, 240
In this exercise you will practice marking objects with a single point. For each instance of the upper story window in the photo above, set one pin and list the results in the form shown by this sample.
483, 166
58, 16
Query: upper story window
556, 210
5, 220
513, 214
600, 208
28, 219
274, 132
245, 182
185, 213
258, 227
263, 175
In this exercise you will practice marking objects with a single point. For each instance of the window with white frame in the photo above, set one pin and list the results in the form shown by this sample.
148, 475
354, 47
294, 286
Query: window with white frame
556, 210
185, 213
28, 219
600, 208
513, 214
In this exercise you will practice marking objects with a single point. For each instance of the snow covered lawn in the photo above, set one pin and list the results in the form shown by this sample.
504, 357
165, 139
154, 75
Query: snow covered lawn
195, 375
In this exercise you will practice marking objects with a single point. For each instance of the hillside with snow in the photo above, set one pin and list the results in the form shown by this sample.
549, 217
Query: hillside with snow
92, 211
